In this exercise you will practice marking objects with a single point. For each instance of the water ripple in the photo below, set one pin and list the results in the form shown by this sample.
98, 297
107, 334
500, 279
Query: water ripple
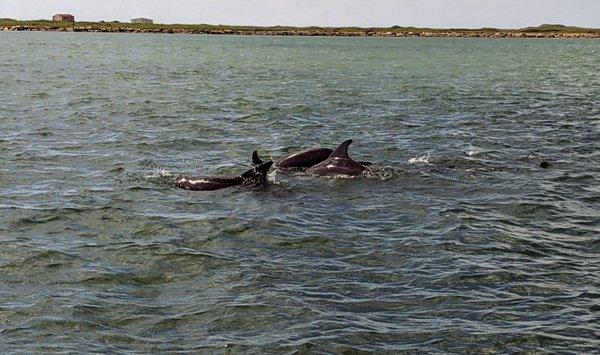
457, 240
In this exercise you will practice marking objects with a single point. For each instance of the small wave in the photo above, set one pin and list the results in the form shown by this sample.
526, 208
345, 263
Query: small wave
343, 177
450, 162
383, 173
156, 176
159, 174
117, 169
40, 95
311, 241
160, 177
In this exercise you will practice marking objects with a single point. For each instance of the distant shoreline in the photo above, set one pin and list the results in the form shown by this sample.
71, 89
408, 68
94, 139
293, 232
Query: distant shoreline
544, 31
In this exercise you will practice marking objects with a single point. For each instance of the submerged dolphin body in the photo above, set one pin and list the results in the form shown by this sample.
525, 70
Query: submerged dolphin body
338, 163
254, 177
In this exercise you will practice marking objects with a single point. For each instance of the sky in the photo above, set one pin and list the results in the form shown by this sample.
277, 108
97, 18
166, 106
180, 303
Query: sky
363, 13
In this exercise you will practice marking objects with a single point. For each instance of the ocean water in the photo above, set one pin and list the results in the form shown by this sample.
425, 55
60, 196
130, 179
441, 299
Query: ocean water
457, 242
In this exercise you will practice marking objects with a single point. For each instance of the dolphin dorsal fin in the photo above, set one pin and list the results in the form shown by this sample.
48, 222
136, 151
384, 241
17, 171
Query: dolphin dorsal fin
256, 159
342, 150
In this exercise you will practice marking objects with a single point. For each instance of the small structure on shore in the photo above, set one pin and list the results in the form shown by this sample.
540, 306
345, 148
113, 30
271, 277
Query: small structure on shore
142, 20
63, 18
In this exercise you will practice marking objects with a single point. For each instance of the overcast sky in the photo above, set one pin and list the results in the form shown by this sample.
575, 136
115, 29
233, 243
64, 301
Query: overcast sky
423, 13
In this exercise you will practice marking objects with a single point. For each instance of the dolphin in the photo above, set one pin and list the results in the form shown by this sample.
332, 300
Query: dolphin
256, 176
306, 159
338, 163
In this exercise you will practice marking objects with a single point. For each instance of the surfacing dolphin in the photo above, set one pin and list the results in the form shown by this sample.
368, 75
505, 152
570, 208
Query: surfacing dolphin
338, 163
306, 159
256, 176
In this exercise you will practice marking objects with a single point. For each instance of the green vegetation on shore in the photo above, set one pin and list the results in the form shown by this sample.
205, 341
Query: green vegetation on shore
543, 31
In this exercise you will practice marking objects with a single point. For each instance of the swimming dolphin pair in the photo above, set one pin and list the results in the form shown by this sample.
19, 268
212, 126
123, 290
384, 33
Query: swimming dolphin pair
321, 161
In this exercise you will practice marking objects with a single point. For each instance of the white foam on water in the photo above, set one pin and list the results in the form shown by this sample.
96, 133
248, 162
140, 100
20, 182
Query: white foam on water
159, 173
424, 159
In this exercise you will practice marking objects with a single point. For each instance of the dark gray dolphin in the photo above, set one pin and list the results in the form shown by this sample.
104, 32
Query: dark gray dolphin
254, 177
306, 159
338, 163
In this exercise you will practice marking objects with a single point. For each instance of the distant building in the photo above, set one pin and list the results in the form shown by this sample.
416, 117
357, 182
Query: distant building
63, 18
142, 20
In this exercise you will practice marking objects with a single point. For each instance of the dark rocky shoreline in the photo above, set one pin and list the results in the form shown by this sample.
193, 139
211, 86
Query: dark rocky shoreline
266, 31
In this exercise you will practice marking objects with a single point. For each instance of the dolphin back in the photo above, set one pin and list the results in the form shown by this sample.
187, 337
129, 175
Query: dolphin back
207, 183
304, 159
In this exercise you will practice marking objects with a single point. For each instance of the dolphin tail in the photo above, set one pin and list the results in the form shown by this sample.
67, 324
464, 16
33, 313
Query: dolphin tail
256, 159
263, 168
258, 172
342, 150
